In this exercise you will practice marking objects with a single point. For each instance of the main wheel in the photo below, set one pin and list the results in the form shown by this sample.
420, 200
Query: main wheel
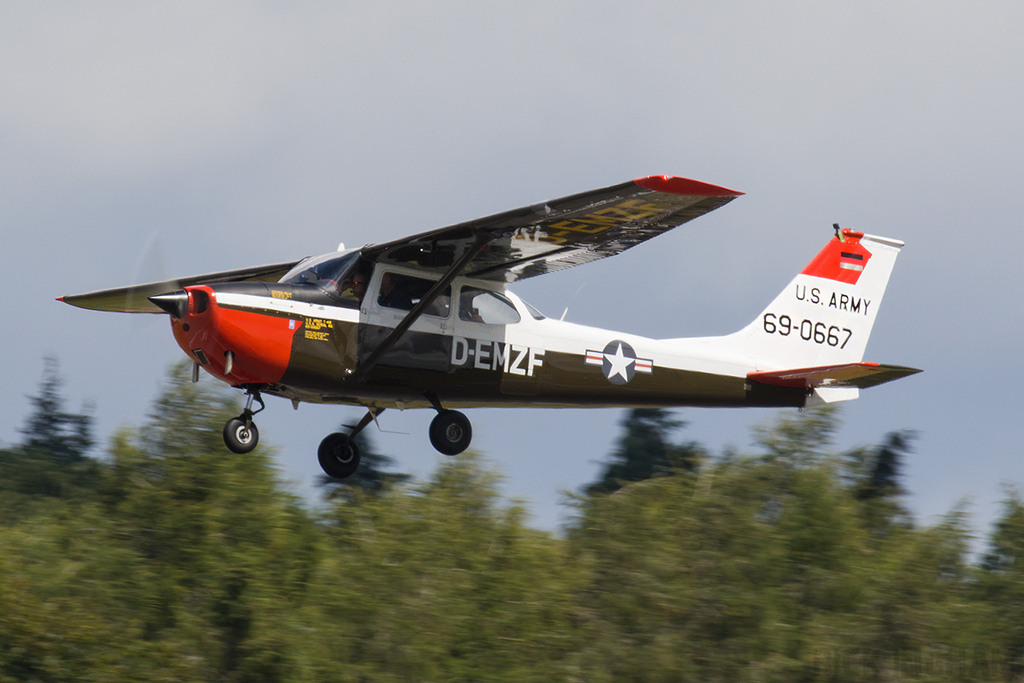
338, 455
239, 437
450, 432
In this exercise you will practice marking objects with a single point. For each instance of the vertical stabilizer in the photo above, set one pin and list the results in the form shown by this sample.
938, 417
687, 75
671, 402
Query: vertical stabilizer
825, 315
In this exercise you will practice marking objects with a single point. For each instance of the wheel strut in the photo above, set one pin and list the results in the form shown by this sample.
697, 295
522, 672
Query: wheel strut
253, 395
371, 415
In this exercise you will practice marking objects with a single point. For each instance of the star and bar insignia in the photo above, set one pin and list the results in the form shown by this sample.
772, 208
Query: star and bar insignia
619, 362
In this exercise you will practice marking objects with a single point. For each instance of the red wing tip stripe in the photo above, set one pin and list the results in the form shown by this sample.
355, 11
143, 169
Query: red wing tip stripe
685, 186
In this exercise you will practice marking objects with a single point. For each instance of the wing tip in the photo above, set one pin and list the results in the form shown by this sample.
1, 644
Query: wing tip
687, 186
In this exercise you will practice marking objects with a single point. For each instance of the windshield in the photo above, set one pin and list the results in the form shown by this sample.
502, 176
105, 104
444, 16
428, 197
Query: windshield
342, 275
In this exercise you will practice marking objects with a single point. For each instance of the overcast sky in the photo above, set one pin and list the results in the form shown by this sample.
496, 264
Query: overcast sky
140, 141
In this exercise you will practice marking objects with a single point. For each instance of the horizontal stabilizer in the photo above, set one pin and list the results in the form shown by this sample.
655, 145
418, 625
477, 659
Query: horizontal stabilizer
860, 375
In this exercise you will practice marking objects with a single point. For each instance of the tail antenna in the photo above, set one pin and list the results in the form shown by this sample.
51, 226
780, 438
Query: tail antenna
839, 232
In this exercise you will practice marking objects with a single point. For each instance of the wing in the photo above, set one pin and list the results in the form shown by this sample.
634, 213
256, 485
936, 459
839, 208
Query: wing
561, 233
860, 375
135, 299
508, 246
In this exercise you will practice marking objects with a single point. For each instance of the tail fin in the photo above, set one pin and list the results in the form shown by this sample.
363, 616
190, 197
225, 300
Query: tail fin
815, 331
825, 315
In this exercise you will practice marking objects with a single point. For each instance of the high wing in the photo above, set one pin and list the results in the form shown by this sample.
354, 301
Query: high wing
558, 234
135, 299
507, 247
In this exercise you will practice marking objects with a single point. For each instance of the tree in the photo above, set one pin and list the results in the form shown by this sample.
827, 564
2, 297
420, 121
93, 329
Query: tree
52, 460
1001, 583
886, 470
799, 439
440, 581
62, 436
229, 552
645, 450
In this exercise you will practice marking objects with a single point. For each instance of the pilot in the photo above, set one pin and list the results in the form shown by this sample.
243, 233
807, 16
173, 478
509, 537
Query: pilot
357, 285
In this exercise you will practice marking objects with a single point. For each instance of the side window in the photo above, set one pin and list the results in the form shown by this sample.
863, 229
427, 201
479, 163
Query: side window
405, 291
484, 306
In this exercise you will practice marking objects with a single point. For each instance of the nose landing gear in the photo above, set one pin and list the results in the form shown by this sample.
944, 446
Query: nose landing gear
240, 433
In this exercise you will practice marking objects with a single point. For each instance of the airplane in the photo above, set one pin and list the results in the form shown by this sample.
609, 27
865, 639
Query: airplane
428, 321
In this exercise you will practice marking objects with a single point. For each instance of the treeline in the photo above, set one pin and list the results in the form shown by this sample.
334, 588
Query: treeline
168, 559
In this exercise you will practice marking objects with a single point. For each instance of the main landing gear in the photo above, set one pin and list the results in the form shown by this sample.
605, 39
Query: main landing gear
338, 453
450, 433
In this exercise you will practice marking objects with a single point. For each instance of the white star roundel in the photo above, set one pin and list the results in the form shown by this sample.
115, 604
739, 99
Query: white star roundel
619, 363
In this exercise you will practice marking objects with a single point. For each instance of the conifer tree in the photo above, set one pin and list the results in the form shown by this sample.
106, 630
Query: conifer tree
646, 450
64, 437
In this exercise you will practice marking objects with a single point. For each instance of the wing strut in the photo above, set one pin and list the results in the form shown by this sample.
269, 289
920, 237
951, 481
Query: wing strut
385, 345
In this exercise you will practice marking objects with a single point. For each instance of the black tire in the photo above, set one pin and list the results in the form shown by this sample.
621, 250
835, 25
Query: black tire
239, 438
338, 455
450, 432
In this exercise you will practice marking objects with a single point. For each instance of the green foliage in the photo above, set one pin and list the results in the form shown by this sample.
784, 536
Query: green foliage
1002, 583
645, 450
52, 460
177, 561
441, 582
63, 437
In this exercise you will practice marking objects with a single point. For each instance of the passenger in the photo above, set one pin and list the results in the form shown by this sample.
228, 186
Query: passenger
392, 295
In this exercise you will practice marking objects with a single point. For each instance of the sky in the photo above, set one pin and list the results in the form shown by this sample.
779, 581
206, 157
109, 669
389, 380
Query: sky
142, 141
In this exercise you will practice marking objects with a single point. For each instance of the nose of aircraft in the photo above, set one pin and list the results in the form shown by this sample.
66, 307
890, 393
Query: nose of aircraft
175, 303
239, 343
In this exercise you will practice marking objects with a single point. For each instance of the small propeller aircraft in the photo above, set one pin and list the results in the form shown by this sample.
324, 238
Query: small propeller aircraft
428, 321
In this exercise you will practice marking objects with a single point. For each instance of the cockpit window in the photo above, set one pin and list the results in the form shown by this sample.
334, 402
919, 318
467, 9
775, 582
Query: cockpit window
405, 291
484, 306
344, 276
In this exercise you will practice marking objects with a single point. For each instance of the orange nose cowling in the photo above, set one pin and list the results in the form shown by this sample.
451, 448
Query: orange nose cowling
260, 343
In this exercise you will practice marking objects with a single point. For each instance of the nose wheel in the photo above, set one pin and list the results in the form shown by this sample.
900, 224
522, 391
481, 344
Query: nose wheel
240, 433
241, 436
